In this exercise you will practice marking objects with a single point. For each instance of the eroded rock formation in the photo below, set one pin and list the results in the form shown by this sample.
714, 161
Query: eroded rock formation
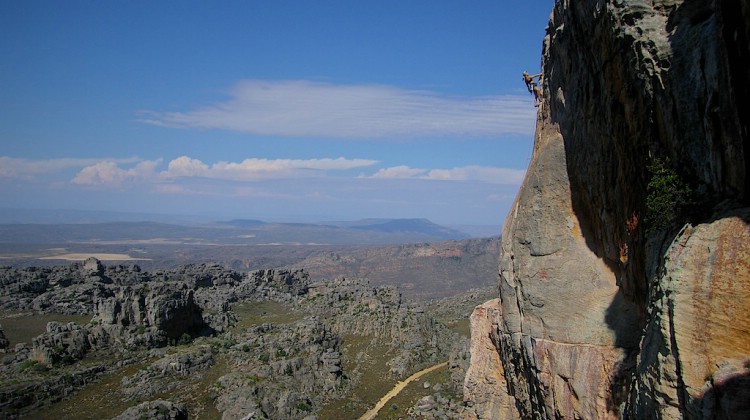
264, 344
624, 268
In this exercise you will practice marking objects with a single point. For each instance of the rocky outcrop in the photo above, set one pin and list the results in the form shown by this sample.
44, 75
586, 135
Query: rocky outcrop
68, 289
61, 343
155, 410
167, 307
194, 336
160, 376
293, 282
282, 371
624, 270
17, 396
4, 343
485, 388
352, 306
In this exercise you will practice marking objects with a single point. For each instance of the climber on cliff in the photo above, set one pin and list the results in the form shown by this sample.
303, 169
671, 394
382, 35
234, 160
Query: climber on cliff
529, 80
537, 95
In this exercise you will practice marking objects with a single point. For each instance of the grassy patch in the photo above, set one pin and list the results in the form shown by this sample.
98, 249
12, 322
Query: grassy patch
365, 362
254, 313
104, 398
461, 326
99, 400
199, 399
22, 328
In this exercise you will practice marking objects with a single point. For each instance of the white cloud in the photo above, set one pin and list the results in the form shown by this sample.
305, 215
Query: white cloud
306, 108
280, 188
27, 168
180, 174
255, 168
490, 174
279, 165
108, 173
186, 166
399, 172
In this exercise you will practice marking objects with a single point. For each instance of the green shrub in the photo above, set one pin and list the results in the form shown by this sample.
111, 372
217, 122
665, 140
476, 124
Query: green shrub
185, 339
668, 196
26, 364
39, 367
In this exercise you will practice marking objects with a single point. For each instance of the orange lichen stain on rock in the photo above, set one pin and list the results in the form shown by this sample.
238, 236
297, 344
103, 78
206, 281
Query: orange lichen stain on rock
623, 252
631, 223
573, 224
576, 229
730, 288
541, 275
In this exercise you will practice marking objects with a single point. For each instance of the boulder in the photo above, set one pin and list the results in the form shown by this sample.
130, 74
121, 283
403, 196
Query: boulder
61, 343
155, 410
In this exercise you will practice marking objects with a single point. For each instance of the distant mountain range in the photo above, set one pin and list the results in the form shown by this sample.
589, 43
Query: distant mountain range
233, 232
424, 259
409, 227
420, 227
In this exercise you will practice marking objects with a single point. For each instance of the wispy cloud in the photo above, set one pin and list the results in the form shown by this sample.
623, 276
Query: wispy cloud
491, 174
306, 108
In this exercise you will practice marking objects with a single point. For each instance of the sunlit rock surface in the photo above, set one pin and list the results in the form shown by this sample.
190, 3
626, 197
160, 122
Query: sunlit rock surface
606, 313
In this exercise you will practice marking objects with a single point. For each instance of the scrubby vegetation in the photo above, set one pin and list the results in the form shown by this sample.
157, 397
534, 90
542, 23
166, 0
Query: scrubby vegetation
668, 195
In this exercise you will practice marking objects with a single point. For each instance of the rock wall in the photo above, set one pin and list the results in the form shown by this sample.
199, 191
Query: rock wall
484, 387
605, 312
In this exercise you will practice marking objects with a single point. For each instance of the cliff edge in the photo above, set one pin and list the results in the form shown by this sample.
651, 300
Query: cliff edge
625, 260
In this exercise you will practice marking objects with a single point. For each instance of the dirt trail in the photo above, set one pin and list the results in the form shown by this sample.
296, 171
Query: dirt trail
370, 414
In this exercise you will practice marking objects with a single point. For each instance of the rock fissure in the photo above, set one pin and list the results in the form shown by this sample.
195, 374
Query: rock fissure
676, 356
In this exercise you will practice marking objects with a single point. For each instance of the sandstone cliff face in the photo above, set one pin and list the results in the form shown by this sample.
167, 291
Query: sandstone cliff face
606, 313
485, 386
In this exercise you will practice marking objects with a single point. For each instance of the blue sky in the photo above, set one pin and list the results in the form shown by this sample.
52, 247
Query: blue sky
275, 110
